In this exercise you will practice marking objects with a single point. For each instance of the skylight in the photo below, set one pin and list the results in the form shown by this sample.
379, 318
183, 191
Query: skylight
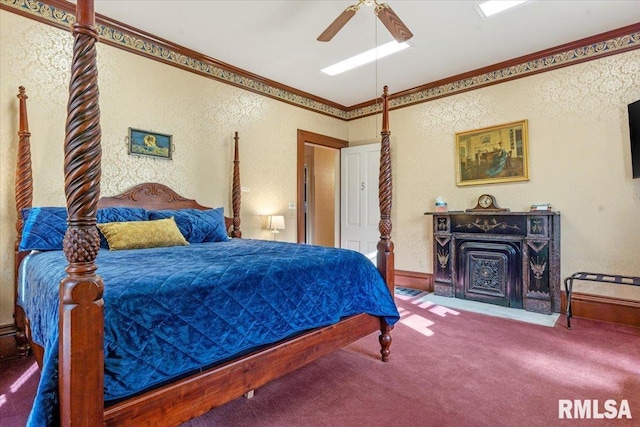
365, 57
491, 7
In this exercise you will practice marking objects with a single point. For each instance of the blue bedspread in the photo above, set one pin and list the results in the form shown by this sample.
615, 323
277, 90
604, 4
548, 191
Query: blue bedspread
171, 311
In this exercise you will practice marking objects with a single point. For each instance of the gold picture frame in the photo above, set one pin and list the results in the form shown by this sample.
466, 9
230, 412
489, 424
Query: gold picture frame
493, 154
152, 144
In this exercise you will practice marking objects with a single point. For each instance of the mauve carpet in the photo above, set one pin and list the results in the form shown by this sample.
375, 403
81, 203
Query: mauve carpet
447, 368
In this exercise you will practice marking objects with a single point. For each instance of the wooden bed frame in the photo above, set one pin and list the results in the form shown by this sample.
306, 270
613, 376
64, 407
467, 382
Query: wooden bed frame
81, 306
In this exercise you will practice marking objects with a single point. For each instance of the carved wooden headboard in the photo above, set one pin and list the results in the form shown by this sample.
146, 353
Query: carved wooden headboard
152, 195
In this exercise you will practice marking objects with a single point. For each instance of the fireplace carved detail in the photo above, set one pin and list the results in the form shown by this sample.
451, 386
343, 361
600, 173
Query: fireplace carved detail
486, 274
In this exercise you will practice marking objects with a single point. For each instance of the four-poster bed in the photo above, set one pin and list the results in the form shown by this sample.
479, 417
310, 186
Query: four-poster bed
83, 345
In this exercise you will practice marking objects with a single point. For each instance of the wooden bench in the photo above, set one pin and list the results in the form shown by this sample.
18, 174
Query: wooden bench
595, 277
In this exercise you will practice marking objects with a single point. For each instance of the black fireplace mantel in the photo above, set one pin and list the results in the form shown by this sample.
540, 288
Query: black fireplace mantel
506, 258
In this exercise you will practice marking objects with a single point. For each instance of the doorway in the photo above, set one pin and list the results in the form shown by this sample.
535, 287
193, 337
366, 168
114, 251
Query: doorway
318, 186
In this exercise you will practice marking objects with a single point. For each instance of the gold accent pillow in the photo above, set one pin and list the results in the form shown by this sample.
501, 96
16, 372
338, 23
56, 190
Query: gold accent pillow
142, 234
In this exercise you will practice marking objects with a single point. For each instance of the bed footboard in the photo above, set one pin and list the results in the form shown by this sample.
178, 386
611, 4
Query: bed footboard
197, 394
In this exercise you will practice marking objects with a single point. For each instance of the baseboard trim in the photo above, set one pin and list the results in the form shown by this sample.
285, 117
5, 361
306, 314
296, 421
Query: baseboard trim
414, 280
594, 307
606, 309
8, 345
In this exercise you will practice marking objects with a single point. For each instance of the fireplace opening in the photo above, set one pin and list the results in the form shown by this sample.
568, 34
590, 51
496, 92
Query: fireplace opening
490, 272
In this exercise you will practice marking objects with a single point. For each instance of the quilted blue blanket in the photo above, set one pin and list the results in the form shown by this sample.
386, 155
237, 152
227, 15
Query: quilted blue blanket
172, 311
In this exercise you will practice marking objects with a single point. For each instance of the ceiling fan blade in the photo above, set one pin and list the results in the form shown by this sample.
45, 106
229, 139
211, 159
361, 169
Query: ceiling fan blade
396, 27
337, 25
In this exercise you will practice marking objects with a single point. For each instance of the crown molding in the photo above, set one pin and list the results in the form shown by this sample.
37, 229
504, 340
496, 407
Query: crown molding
61, 14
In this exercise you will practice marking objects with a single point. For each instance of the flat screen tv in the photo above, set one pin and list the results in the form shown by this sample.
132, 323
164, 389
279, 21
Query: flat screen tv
634, 132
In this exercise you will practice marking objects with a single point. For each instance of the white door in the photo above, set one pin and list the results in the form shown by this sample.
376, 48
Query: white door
359, 210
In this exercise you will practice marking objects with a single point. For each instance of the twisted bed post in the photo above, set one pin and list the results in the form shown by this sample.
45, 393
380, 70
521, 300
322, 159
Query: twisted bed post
385, 259
81, 304
236, 191
24, 199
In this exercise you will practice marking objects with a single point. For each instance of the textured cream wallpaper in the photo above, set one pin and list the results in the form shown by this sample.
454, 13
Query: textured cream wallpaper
580, 161
201, 114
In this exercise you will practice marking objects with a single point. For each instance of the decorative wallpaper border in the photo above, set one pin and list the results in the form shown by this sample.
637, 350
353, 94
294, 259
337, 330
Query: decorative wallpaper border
509, 70
124, 39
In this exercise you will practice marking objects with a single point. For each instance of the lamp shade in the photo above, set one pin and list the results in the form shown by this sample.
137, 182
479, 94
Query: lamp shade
276, 222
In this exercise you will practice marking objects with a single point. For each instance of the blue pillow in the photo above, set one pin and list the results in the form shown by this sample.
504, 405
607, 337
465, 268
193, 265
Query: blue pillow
119, 214
197, 226
43, 228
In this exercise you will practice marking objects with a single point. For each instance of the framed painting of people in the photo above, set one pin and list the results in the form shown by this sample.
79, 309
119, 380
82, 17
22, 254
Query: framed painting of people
147, 143
493, 154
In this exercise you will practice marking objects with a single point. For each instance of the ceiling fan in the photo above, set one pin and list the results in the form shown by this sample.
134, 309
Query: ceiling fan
398, 30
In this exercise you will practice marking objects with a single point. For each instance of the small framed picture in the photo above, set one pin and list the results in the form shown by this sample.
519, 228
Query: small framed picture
147, 143
493, 154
